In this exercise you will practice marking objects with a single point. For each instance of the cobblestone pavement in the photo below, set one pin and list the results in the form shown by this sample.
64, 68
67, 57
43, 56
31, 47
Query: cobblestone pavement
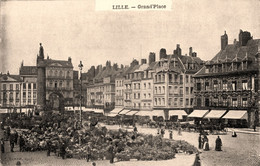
244, 150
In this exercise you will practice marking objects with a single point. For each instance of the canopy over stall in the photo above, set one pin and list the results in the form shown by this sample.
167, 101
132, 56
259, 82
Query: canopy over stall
236, 114
179, 113
198, 113
124, 112
215, 114
158, 113
116, 110
131, 113
144, 113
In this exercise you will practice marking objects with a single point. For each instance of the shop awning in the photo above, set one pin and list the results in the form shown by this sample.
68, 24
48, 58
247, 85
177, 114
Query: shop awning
198, 113
143, 113
68, 108
215, 114
124, 112
98, 111
116, 110
236, 114
179, 113
3, 110
112, 115
158, 113
131, 113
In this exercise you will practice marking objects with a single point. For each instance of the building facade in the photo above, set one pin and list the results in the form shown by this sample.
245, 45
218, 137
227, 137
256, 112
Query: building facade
230, 81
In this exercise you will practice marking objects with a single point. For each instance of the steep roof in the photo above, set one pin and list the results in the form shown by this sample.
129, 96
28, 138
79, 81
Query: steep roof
58, 63
235, 53
28, 70
10, 78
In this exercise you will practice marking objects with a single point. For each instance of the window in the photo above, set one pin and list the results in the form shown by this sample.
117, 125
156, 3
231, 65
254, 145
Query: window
149, 95
138, 95
187, 90
50, 72
29, 86
134, 86
163, 89
134, 95
17, 87
181, 102
191, 79
56, 84
24, 85
191, 90
181, 79
187, 79
225, 102
155, 90
206, 85
4, 86
159, 101
34, 85
234, 85
11, 86
198, 86
34, 95
170, 77
234, 102
17, 95
215, 85
181, 91
149, 85
175, 102
163, 101
145, 95
207, 102
60, 85
244, 102
191, 102
68, 83
244, 85
160, 91
56, 73
175, 78
225, 85
215, 101
187, 102
144, 85
155, 100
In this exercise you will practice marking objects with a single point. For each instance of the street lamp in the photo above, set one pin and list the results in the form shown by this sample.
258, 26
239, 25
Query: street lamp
80, 68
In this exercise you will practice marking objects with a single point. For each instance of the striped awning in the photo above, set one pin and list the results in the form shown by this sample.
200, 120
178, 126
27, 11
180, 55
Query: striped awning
215, 114
98, 111
131, 113
144, 113
198, 113
236, 114
124, 112
179, 113
158, 113
116, 110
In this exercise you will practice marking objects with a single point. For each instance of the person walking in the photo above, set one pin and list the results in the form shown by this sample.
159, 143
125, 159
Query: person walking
162, 132
234, 134
111, 150
63, 150
88, 152
12, 142
2, 145
170, 134
218, 144
200, 141
206, 143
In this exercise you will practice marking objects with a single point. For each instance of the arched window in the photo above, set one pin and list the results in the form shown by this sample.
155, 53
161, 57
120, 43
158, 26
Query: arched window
56, 73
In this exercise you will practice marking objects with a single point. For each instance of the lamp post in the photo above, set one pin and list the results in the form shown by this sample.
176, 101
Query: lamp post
80, 68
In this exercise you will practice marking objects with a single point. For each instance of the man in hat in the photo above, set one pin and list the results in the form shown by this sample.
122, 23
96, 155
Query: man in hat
111, 150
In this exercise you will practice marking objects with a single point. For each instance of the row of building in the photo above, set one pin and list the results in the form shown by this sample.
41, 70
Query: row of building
230, 81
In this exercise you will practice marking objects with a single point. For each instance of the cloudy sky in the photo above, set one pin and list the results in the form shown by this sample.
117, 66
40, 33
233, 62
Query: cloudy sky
75, 29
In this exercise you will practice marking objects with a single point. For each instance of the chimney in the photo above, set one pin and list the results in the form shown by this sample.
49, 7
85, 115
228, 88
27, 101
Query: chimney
69, 59
122, 66
143, 61
151, 57
194, 54
115, 66
244, 37
224, 41
134, 63
190, 51
163, 53
178, 50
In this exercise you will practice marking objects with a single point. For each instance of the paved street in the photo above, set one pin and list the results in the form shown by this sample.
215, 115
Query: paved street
241, 151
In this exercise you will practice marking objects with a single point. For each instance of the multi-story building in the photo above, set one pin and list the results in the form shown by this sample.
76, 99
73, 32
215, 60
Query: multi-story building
101, 92
28, 75
230, 81
173, 82
10, 91
128, 91
54, 83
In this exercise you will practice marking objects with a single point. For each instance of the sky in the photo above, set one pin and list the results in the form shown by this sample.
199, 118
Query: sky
75, 29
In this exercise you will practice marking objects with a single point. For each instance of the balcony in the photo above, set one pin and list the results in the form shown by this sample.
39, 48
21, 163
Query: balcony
128, 90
